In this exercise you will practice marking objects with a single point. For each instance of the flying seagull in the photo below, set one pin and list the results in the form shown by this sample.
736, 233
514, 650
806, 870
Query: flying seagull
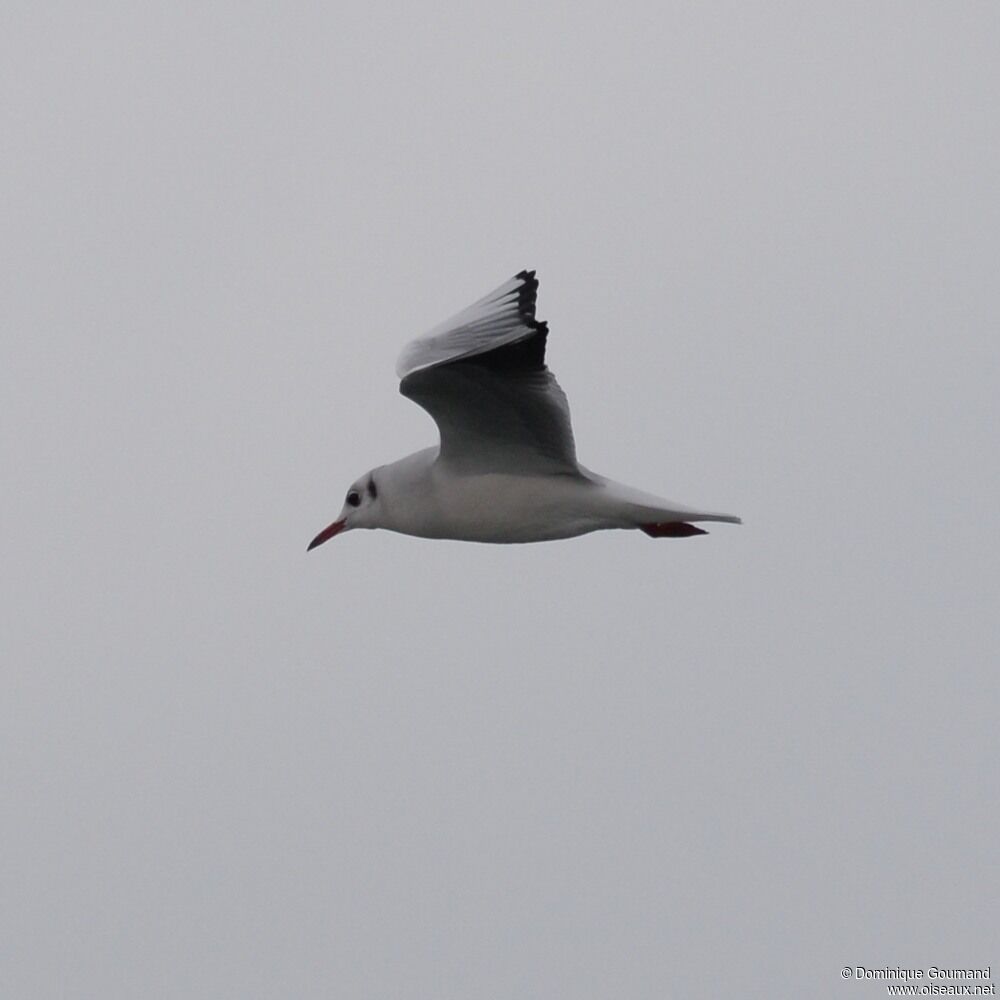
506, 468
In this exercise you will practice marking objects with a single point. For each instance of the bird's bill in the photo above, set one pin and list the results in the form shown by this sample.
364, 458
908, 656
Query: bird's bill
327, 533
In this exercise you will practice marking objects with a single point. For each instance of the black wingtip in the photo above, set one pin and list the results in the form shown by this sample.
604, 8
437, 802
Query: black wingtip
526, 295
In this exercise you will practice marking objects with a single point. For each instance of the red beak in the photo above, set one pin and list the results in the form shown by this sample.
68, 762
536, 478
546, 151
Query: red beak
326, 534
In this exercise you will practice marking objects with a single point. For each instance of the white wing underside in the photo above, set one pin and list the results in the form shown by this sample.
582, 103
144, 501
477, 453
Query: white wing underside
497, 407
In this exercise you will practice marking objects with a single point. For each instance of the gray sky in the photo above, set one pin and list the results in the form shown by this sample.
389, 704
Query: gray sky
767, 240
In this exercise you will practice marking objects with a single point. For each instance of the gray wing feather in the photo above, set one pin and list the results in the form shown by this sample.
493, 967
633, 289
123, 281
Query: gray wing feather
482, 377
505, 316
490, 423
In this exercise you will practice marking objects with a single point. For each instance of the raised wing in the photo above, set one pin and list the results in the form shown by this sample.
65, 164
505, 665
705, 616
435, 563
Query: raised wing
481, 375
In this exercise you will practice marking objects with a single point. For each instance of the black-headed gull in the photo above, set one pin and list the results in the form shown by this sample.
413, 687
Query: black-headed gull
506, 468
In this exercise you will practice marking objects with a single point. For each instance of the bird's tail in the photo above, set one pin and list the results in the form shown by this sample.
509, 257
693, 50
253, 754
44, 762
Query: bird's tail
657, 517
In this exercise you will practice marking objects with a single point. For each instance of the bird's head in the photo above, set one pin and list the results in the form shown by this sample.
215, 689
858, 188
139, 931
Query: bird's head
360, 510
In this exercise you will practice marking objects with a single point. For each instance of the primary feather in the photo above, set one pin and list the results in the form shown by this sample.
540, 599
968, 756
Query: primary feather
482, 377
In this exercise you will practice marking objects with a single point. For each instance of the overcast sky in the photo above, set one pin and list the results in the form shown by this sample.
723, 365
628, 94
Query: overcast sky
612, 767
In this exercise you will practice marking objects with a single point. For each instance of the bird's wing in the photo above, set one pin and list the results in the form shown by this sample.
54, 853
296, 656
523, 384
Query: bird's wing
481, 375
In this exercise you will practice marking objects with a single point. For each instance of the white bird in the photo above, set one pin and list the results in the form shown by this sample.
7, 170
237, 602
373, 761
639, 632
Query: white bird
506, 468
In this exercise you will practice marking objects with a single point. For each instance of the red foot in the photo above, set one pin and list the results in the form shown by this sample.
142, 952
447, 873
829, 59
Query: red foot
671, 529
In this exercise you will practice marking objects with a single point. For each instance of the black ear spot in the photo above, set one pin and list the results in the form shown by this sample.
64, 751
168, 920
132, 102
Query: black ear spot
372, 492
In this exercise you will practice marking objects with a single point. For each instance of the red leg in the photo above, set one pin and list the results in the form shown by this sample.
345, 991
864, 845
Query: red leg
671, 529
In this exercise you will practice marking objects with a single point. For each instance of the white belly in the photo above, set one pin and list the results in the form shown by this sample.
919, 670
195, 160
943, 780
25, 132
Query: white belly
504, 508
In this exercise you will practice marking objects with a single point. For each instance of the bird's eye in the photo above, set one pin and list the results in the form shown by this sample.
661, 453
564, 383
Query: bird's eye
354, 498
